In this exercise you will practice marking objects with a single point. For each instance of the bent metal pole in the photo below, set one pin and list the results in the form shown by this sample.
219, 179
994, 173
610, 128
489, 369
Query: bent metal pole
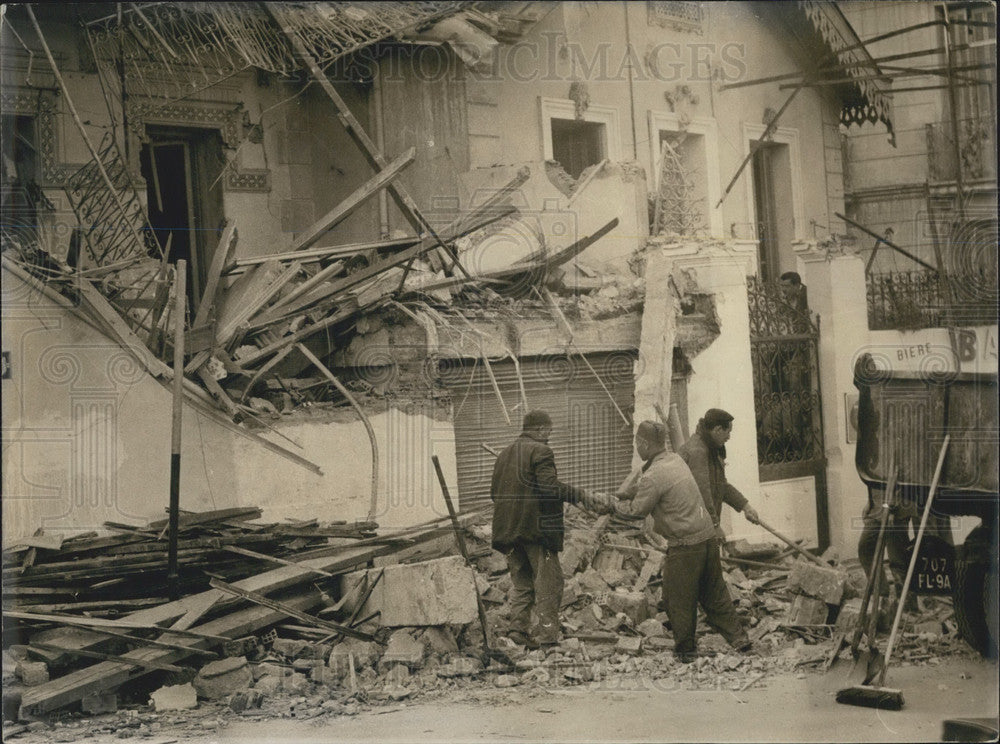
180, 304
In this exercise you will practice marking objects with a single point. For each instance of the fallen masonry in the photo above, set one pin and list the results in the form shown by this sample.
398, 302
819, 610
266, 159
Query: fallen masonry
219, 655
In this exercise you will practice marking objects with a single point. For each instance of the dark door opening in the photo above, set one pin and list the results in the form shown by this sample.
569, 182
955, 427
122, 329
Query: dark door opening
184, 196
772, 195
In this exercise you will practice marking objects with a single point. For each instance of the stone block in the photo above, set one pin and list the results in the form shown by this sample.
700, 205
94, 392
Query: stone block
817, 581
397, 675
651, 628
32, 673
326, 676
592, 583
629, 645
269, 685
435, 592
806, 611
289, 647
440, 640
633, 604
579, 549
460, 666
246, 700
403, 648
365, 655
100, 702
175, 697
848, 616
218, 680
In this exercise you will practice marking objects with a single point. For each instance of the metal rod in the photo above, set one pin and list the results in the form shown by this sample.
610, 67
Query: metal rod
180, 301
889, 243
460, 539
953, 107
758, 143
304, 350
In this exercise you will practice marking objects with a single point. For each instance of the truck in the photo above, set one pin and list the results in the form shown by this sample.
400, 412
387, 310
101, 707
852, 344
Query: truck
905, 415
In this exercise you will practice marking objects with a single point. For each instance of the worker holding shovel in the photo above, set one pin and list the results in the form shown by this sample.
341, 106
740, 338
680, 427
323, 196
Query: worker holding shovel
705, 454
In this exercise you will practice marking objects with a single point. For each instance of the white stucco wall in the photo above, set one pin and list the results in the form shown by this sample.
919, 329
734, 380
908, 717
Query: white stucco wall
86, 436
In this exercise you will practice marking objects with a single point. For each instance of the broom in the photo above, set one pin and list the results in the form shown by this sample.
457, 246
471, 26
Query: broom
877, 695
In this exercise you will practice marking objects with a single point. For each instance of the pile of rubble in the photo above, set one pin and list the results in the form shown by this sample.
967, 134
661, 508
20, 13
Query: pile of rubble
403, 630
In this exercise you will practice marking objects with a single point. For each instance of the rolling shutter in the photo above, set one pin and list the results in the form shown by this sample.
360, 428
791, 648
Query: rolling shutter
591, 441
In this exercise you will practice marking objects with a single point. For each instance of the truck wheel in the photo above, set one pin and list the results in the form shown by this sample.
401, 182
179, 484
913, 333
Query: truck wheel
975, 592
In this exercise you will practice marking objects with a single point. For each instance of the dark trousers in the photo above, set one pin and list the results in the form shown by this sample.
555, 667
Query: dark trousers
692, 575
537, 581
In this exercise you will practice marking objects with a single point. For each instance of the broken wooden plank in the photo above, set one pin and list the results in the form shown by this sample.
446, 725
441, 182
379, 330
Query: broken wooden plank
106, 675
271, 559
288, 610
382, 178
110, 658
241, 265
227, 242
97, 622
318, 278
368, 148
238, 309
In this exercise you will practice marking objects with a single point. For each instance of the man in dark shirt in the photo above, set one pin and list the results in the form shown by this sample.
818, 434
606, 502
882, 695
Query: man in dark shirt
528, 502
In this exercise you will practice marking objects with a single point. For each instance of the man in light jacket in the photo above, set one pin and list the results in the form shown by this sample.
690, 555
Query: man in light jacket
692, 569
705, 454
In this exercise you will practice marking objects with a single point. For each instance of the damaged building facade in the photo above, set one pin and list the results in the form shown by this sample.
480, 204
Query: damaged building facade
479, 210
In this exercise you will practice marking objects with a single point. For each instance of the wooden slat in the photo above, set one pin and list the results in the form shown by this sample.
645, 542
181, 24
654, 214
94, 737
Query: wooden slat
371, 187
227, 242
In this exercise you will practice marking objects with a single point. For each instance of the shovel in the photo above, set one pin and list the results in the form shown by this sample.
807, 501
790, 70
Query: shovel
489, 652
877, 695
874, 585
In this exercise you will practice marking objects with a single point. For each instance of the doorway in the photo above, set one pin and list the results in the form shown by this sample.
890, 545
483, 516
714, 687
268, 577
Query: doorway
773, 208
184, 196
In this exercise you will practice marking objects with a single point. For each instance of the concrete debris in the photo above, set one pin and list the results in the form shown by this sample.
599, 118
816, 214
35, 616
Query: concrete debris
175, 697
403, 648
32, 673
612, 632
816, 581
102, 702
220, 679
433, 592
807, 611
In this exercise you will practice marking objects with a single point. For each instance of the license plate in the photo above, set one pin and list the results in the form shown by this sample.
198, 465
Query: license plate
935, 569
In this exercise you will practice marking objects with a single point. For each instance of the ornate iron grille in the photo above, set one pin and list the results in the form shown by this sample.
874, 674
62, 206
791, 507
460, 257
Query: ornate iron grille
682, 16
111, 233
907, 300
783, 347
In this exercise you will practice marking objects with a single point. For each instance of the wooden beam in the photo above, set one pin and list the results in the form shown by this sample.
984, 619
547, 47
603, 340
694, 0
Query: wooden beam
110, 658
368, 148
227, 242
289, 610
271, 559
240, 265
380, 180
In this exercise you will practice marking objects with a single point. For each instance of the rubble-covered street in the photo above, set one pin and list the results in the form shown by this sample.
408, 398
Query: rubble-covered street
423, 678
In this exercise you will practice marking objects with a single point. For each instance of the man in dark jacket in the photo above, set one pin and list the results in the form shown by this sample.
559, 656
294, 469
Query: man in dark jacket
692, 569
705, 454
528, 528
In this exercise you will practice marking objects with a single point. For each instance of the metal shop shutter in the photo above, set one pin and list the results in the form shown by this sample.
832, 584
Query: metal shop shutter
591, 441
